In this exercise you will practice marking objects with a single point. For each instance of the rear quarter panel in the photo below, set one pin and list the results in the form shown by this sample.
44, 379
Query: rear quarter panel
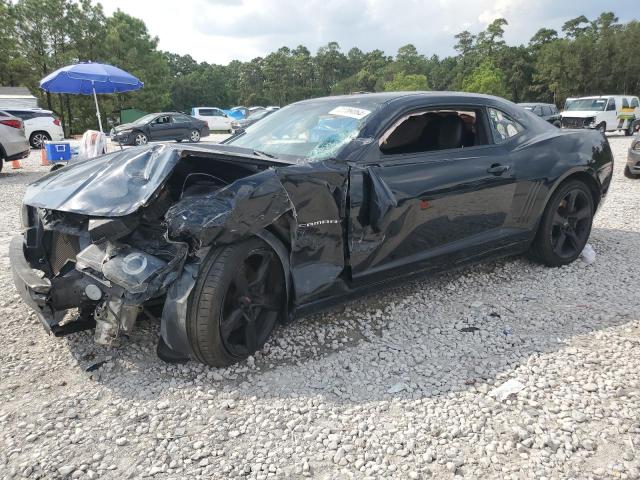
548, 159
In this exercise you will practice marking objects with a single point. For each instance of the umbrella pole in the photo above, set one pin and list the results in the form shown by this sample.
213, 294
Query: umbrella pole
95, 98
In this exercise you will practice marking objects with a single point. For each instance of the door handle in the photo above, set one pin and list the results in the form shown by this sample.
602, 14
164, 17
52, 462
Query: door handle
497, 169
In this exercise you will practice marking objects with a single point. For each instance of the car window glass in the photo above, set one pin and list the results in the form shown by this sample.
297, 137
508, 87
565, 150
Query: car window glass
503, 127
546, 111
634, 102
625, 103
434, 130
611, 105
20, 114
206, 112
163, 119
538, 110
180, 118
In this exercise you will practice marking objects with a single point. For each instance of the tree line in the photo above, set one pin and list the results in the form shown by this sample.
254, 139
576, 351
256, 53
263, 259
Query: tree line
588, 56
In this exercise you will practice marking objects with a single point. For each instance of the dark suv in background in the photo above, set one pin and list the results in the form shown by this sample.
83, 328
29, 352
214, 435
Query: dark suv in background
546, 111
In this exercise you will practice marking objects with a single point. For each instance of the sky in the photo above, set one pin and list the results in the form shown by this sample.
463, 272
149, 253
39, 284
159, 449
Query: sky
218, 31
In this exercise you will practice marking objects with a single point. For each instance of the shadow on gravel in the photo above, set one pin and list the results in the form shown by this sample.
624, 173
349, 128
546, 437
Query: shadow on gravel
428, 338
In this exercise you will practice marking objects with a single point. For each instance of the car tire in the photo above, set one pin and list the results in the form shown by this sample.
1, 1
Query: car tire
628, 174
139, 139
629, 131
565, 225
236, 302
194, 136
56, 166
37, 139
602, 128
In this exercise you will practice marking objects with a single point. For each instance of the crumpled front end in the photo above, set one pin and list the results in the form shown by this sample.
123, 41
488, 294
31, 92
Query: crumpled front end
107, 269
127, 233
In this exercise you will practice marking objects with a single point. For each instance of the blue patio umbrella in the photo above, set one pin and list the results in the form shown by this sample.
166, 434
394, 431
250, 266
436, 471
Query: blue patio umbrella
90, 79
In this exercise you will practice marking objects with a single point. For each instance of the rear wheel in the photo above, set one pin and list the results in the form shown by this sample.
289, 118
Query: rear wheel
194, 136
37, 139
565, 225
629, 131
602, 128
628, 174
236, 302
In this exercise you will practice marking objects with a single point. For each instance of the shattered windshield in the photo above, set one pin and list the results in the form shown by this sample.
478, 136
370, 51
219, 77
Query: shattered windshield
587, 104
313, 130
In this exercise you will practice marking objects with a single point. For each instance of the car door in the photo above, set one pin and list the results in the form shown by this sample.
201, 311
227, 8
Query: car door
221, 121
416, 208
611, 114
160, 128
181, 126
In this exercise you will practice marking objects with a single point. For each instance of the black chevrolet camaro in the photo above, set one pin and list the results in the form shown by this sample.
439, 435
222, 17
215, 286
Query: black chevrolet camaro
320, 201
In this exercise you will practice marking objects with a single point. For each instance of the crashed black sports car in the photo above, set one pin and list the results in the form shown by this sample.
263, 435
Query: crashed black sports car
322, 200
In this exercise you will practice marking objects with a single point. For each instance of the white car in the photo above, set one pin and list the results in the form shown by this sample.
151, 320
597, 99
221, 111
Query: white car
39, 125
13, 143
606, 113
215, 118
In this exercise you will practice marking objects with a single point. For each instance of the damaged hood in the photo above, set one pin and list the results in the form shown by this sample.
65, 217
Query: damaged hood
120, 183
125, 126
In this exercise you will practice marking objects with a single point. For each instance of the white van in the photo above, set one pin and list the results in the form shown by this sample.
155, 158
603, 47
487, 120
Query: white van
607, 113
215, 118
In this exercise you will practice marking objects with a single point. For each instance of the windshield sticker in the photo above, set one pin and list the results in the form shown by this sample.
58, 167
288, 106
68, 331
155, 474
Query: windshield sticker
352, 112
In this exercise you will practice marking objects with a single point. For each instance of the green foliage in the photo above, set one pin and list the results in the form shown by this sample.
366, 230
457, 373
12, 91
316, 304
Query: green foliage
407, 82
486, 78
38, 36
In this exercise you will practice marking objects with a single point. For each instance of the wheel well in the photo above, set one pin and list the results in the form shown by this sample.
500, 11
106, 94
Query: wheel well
588, 180
3, 155
283, 254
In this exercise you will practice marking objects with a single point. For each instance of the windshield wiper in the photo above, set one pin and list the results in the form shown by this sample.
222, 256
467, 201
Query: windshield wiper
260, 153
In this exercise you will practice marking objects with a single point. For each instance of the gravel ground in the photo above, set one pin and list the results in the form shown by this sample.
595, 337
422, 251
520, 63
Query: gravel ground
396, 386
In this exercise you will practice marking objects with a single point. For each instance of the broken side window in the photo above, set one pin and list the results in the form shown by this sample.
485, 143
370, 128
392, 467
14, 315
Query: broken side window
436, 129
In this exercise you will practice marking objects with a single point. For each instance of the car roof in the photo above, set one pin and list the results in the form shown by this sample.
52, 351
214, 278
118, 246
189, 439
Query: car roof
34, 110
533, 104
594, 97
389, 96
215, 108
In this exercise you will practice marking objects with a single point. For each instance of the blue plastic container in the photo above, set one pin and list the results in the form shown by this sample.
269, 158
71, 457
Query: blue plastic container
58, 151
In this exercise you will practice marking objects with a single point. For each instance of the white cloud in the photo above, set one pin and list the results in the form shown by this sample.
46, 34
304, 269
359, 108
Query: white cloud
219, 31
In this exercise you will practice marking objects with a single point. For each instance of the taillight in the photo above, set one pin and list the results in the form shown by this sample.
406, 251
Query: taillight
12, 123
56, 122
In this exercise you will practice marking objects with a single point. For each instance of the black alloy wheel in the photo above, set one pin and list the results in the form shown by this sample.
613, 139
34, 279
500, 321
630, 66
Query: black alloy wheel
236, 302
251, 304
571, 224
565, 226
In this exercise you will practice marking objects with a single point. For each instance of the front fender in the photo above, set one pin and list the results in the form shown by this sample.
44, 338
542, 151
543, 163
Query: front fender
234, 212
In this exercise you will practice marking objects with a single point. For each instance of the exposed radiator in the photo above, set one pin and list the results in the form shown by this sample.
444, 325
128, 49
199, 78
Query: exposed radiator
64, 247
